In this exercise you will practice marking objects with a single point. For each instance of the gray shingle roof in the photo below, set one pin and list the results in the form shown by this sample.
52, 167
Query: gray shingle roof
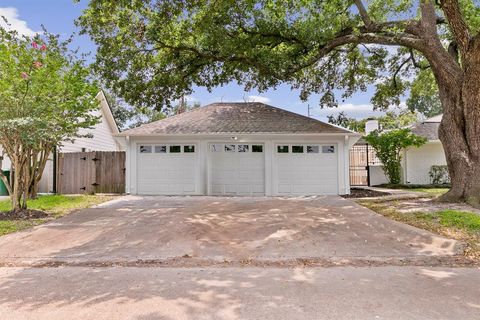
427, 128
246, 117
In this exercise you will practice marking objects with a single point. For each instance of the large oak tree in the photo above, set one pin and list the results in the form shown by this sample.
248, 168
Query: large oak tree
152, 52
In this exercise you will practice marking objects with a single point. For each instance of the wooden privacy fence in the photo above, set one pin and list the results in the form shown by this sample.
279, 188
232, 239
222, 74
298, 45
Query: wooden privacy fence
91, 172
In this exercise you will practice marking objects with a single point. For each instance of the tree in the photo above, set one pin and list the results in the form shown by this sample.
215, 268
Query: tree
389, 146
391, 120
153, 52
46, 97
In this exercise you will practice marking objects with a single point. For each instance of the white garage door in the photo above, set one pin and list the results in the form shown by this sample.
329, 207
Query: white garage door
166, 169
306, 169
237, 169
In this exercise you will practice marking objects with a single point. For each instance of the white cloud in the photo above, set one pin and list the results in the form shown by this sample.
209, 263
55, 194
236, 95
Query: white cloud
13, 18
357, 111
258, 99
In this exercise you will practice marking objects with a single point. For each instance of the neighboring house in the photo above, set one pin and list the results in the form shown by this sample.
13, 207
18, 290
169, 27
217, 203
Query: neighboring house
419, 161
238, 149
102, 140
416, 162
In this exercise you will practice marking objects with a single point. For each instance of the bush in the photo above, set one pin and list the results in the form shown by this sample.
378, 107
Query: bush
439, 175
389, 145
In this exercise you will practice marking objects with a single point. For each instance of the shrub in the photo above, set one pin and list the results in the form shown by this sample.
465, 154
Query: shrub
389, 145
439, 175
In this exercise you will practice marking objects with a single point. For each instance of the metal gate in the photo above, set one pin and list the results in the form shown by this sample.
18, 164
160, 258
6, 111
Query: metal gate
361, 158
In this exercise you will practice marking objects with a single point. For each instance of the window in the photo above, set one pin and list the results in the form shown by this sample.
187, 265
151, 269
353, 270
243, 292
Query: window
257, 148
282, 149
297, 149
243, 148
328, 149
160, 149
175, 149
145, 149
188, 149
216, 147
229, 148
313, 149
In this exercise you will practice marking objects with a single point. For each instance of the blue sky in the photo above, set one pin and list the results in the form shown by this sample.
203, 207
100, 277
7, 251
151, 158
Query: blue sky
58, 16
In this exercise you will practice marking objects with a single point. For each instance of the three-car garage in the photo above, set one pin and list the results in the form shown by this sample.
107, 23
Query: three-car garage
233, 150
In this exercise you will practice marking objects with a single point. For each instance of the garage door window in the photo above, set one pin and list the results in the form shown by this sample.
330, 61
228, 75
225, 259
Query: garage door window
257, 148
160, 149
313, 149
297, 149
243, 148
145, 149
216, 147
229, 148
188, 149
282, 149
328, 149
175, 149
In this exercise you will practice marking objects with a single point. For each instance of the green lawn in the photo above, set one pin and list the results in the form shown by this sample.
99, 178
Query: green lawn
56, 205
431, 190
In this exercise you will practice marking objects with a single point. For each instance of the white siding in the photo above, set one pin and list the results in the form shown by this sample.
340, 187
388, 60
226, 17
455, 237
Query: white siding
419, 160
102, 138
6, 165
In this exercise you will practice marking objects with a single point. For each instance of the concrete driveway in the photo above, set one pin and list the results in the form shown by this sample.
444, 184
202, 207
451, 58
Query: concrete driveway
208, 258
202, 231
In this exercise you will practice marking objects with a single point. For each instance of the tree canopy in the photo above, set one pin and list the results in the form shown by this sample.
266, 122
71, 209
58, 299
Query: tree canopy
153, 52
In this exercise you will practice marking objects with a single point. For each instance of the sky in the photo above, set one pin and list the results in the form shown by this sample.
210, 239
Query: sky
58, 16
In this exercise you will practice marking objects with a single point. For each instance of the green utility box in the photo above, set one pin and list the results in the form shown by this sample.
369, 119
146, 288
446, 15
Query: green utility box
3, 188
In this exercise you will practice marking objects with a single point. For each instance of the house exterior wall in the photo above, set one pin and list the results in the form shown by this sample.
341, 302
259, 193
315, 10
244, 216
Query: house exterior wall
6, 164
418, 162
102, 138
269, 141
377, 176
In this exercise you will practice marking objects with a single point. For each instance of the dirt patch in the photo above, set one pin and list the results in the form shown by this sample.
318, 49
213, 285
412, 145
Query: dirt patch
427, 205
328, 262
364, 193
23, 215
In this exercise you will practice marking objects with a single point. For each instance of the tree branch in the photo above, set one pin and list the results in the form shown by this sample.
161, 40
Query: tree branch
364, 14
457, 24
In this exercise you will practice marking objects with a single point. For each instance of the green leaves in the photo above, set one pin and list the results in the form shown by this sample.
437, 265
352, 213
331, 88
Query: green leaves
46, 94
389, 146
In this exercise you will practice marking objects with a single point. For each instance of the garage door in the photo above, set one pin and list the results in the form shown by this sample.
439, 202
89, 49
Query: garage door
306, 169
166, 169
237, 169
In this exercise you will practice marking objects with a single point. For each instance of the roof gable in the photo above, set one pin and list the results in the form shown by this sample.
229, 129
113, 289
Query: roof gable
246, 118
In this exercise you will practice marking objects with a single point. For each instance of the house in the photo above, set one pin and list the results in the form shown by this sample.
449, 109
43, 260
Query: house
102, 140
416, 162
238, 149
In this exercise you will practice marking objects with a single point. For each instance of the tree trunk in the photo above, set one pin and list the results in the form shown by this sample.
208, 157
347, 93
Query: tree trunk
460, 131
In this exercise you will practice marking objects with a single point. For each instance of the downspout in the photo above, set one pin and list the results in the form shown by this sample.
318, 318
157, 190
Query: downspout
55, 170
347, 165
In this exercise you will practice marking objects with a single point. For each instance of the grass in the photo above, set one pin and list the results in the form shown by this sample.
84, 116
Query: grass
55, 205
433, 191
436, 192
459, 225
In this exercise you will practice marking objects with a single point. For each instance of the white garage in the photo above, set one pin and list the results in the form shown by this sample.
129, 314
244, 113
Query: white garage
238, 149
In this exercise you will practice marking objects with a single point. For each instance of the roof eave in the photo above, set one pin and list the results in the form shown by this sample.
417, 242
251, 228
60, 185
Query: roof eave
125, 134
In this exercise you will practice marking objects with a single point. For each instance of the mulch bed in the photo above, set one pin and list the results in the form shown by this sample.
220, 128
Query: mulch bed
364, 193
23, 215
